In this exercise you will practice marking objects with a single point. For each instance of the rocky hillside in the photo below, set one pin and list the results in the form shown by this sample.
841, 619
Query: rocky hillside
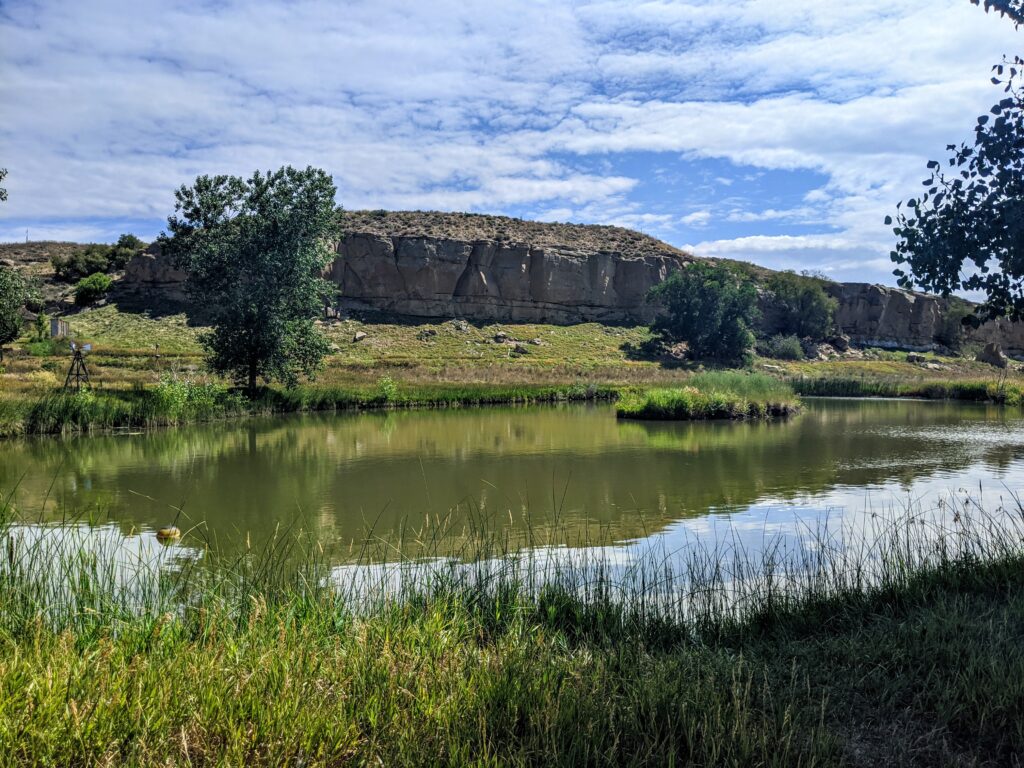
496, 268
472, 227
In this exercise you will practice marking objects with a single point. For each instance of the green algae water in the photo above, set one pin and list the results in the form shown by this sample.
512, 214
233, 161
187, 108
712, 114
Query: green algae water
572, 474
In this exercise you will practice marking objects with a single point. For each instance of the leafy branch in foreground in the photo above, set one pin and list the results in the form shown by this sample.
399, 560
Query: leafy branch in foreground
966, 231
1014, 9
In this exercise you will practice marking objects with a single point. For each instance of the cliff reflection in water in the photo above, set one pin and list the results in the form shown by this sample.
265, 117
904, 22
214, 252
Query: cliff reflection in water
524, 473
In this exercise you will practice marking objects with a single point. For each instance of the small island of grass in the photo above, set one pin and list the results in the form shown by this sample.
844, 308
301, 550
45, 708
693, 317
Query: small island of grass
717, 395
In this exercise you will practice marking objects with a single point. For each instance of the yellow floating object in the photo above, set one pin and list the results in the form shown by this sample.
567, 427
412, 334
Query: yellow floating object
169, 533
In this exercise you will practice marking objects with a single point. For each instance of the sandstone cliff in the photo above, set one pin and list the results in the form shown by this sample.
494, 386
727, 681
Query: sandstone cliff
497, 268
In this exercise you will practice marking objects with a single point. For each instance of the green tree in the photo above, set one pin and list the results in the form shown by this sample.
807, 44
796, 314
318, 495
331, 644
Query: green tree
91, 289
123, 250
966, 230
96, 257
14, 292
711, 308
254, 251
802, 307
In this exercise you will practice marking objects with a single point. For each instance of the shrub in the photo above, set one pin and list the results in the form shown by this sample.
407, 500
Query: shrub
711, 308
951, 326
781, 347
92, 288
41, 327
96, 257
14, 292
387, 388
801, 306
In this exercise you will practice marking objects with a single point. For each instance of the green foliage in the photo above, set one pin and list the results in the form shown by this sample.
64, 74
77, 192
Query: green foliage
91, 289
388, 388
951, 327
801, 305
254, 251
96, 257
900, 646
711, 308
1000, 392
41, 327
714, 395
966, 231
14, 292
779, 347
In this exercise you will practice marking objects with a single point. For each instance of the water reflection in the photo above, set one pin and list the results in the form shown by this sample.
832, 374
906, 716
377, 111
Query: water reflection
533, 476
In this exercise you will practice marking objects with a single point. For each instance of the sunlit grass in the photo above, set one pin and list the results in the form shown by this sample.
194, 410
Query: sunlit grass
899, 644
712, 395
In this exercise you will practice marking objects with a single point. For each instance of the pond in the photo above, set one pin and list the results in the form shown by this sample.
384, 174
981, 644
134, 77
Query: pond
364, 486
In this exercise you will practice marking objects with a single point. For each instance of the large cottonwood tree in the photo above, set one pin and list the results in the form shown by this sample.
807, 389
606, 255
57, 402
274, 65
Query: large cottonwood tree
254, 250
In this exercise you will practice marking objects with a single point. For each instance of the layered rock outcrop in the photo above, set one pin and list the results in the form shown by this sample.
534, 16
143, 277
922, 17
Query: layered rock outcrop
488, 280
501, 269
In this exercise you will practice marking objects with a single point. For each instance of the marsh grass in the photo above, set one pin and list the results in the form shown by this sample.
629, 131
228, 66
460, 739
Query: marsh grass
176, 402
891, 640
712, 395
1001, 391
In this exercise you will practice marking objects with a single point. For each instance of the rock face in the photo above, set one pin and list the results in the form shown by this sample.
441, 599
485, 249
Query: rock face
488, 280
151, 276
876, 316
500, 269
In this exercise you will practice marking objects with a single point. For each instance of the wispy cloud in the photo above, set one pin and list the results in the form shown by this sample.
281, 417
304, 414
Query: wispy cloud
661, 115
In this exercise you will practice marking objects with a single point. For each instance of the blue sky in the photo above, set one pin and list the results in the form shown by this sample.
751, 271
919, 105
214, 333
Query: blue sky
775, 131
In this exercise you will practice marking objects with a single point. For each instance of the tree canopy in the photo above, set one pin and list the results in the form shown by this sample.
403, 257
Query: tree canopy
1014, 9
15, 291
254, 250
711, 308
966, 230
803, 308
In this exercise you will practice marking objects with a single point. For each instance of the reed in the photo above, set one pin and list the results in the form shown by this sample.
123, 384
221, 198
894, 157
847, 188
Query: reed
998, 391
894, 640
712, 395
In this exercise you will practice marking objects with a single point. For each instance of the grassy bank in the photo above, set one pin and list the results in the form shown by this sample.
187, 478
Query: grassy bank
174, 402
717, 395
904, 651
999, 391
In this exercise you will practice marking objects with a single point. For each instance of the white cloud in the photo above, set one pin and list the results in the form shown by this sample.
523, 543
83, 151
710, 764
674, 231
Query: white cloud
518, 104
697, 219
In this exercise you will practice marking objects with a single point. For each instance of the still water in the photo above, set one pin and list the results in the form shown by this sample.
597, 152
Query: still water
527, 475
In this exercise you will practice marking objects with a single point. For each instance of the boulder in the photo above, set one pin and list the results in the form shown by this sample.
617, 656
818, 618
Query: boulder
992, 353
359, 336
841, 342
913, 357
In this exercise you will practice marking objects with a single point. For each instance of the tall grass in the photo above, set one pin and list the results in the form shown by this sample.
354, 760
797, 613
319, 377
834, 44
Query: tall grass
713, 395
892, 642
174, 402
1002, 392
